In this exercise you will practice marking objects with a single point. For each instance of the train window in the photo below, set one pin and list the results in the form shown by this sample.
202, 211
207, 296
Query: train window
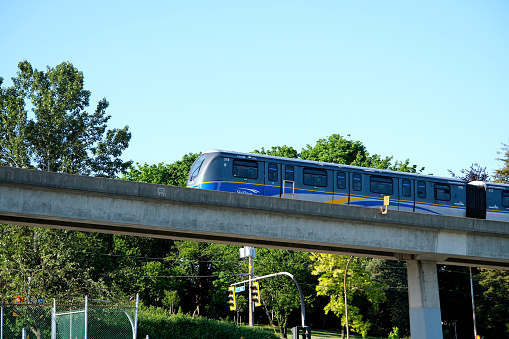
442, 192
421, 189
315, 177
273, 172
406, 188
341, 180
381, 185
289, 173
505, 198
245, 169
357, 182
196, 167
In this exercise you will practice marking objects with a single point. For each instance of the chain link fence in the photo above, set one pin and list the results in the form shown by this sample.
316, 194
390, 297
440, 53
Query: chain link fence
68, 321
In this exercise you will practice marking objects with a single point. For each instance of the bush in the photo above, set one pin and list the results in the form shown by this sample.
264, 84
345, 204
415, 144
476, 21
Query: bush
159, 324
394, 334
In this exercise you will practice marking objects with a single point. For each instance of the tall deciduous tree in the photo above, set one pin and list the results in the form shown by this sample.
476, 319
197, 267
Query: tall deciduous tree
44, 125
502, 174
280, 295
493, 305
360, 288
58, 135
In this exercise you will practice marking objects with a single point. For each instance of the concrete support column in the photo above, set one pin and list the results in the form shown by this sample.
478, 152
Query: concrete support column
424, 301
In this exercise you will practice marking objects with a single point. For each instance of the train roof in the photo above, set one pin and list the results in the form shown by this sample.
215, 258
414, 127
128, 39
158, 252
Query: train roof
333, 165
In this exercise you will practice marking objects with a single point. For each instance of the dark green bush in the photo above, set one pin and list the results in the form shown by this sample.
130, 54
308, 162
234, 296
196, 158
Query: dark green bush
159, 324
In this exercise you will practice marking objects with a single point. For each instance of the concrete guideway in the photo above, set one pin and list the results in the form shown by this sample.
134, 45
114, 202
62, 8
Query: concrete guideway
55, 200
84, 203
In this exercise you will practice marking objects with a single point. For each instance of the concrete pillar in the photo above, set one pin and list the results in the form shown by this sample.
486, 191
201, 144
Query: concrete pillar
424, 301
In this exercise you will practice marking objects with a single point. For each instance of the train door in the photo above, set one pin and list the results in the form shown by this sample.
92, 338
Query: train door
380, 187
288, 182
476, 200
273, 181
406, 195
357, 187
314, 184
341, 188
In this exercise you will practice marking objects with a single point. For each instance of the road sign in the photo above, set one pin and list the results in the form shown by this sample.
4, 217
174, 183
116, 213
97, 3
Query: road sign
240, 289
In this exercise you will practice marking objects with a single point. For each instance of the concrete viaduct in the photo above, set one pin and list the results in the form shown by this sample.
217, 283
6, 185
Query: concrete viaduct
45, 199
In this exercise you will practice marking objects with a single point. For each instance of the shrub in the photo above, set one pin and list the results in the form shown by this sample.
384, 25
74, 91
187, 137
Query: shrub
159, 324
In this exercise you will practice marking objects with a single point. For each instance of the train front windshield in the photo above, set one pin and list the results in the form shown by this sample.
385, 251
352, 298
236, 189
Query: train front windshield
195, 170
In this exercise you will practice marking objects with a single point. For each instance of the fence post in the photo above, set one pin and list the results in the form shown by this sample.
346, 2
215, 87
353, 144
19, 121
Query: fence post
2, 322
135, 331
54, 320
86, 316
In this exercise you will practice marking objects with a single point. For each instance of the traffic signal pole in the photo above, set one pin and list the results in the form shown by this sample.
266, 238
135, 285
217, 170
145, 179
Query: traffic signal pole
302, 307
251, 306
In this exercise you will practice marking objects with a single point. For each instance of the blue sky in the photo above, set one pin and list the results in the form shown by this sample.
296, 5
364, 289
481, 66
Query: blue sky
424, 80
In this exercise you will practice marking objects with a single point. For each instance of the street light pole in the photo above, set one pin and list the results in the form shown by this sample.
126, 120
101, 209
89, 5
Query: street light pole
346, 300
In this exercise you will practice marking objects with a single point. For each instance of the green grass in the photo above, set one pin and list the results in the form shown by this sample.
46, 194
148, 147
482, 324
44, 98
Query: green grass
323, 334
317, 334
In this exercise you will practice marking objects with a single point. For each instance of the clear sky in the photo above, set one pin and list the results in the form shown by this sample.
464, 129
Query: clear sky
424, 80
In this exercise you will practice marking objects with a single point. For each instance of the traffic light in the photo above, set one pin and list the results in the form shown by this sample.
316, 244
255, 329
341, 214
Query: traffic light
18, 299
231, 298
255, 293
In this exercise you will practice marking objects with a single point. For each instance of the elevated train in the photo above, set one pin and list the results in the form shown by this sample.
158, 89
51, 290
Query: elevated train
258, 174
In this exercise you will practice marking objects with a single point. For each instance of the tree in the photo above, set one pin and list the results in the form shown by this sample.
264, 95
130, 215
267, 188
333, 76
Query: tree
502, 174
62, 136
393, 311
58, 135
493, 305
360, 288
474, 173
173, 174
280, 151
280, 295
339, 150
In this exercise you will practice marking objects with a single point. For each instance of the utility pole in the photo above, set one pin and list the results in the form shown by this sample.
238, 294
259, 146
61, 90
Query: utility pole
251, 308
473, 304
250, 253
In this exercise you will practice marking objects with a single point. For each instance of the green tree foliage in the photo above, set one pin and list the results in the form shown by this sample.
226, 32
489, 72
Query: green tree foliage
393, 311
279, 294
58, 135
280, 151
42, 263
502, 174
174, 174
339, 150
493, 305
360, 288
44, 125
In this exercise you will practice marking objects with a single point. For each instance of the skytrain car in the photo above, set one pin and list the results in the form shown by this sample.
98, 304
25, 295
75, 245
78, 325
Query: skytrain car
258, 174
497, 201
